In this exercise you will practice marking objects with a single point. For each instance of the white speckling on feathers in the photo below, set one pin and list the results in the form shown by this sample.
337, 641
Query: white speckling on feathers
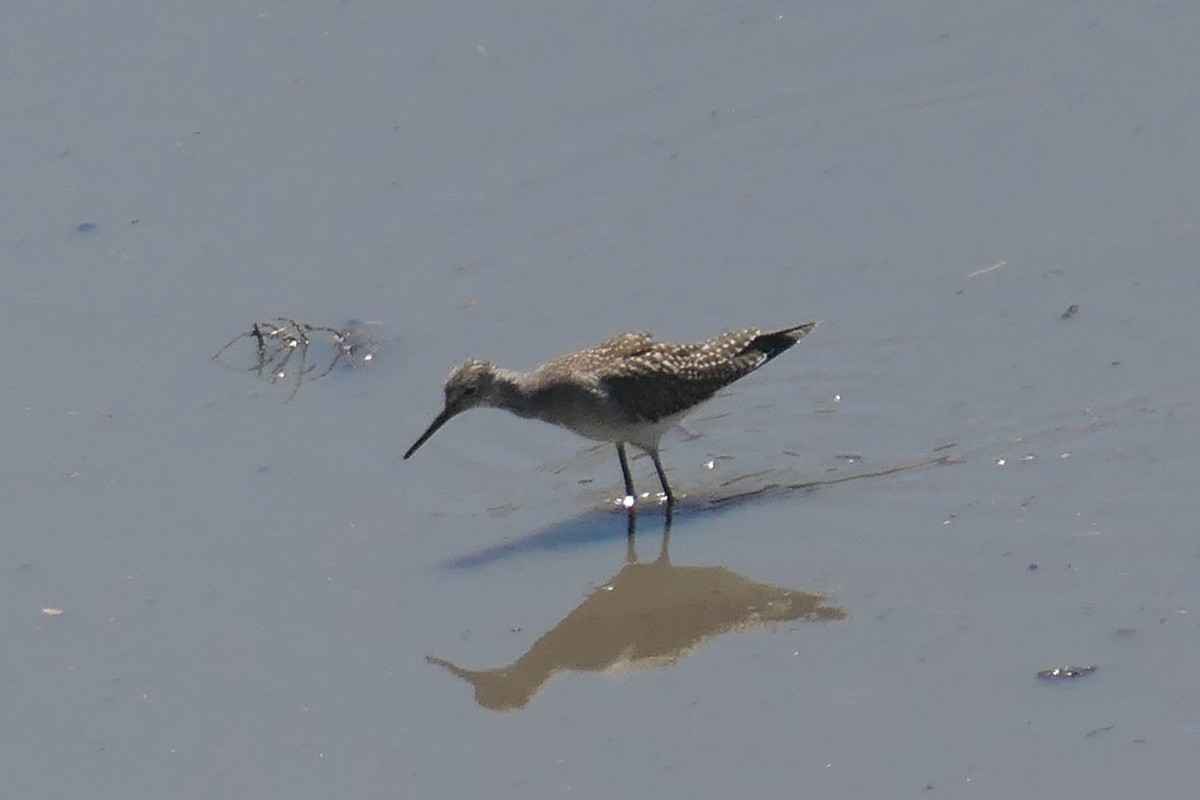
651, 380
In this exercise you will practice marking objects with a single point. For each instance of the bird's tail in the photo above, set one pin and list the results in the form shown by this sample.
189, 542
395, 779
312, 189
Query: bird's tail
773, 343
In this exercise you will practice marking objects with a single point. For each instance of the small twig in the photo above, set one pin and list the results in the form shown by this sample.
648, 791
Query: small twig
985, 270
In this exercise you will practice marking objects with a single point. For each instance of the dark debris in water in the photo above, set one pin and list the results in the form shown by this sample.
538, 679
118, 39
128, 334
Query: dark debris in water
1065, 673
1100, 730
284, 346
1071, 311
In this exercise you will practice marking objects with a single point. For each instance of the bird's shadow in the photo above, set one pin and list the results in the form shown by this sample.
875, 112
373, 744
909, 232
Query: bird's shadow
596, 526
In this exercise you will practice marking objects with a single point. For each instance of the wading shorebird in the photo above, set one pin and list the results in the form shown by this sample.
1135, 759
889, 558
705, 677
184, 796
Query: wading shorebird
629, 389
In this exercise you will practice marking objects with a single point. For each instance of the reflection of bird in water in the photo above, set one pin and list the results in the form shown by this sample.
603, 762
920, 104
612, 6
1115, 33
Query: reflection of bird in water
628, 389
647, 615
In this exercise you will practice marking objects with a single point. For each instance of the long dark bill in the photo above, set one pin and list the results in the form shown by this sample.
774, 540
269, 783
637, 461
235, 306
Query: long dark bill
440, 420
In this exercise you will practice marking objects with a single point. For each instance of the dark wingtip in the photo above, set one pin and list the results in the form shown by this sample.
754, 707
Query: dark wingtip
773, 343
799, 331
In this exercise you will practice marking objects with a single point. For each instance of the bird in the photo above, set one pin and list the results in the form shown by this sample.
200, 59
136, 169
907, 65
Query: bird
629, 389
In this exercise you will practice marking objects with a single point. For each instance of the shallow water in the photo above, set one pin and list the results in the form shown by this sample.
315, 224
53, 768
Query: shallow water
214, 593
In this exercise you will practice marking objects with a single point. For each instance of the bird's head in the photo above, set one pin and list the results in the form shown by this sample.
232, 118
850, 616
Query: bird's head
471, 385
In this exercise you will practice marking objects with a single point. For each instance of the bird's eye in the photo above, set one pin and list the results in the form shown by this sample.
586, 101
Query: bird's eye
469, 391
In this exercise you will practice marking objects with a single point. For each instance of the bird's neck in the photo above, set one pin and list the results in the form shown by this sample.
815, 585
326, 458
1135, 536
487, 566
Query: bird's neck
511, 391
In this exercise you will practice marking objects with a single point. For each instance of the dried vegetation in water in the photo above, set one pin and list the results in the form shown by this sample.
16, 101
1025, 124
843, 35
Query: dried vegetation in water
288, 349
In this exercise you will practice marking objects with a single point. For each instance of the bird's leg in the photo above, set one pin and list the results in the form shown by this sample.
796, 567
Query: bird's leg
630, 497
662, 478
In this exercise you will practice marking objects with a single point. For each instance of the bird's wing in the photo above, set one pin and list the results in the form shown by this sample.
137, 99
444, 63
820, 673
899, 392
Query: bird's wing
661, 380
598, 357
